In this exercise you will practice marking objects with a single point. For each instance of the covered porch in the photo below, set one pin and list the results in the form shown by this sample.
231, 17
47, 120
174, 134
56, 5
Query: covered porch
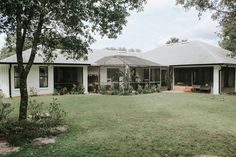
67, 77
142, 72
209, 79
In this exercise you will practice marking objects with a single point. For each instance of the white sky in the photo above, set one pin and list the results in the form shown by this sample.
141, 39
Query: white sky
160, 20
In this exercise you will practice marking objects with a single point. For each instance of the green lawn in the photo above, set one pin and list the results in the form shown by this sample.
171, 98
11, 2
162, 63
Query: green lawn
146, 125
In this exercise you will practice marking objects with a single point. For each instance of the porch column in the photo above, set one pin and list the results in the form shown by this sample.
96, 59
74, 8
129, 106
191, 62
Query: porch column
149, 77
216, 79
235, 80
160, 78
85, 79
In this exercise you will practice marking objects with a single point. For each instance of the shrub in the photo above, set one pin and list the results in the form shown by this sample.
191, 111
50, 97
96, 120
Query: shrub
64, 91
56, 92
80, 89
158, 88
20, 132
146, 89
35, 109
153, 89
126, 91
102, 89
55, 111
33, 91
115, 89
5, 110
140, 89
77, 89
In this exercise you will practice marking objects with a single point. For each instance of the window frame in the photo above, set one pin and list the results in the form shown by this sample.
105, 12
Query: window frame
16, 77
109, 80
43, 76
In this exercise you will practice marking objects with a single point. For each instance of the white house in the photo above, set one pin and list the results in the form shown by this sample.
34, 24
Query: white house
198, 66
183, 66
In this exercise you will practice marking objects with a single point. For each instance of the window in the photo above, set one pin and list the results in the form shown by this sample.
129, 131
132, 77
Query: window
16, 77
43, 76
113, 75
155, 75
146, 75
228, 77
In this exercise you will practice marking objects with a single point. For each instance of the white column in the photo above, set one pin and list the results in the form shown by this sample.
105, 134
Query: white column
235, 80
216, 80
160, 77
85, 79
173, 77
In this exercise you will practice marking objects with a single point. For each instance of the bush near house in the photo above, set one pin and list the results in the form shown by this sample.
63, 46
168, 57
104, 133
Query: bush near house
120, 90
75, 90
37, 125
33, 91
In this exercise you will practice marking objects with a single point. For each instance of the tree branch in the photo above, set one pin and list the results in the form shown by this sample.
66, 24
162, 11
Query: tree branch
19, 40
36, 39
26, 24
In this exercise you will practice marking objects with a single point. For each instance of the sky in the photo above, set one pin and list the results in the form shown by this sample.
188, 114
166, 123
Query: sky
159, 21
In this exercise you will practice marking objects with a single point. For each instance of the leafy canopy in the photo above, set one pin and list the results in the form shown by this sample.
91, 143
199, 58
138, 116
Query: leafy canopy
173, 40
9, 48
225, 12
70, 24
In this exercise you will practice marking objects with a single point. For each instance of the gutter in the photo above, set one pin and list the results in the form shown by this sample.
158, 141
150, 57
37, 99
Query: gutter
48, 63
209, 64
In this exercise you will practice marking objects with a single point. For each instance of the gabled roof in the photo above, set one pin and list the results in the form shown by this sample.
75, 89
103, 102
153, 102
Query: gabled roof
118, 60
190, 53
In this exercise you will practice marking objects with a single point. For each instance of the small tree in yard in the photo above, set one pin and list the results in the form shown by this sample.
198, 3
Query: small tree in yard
68, 24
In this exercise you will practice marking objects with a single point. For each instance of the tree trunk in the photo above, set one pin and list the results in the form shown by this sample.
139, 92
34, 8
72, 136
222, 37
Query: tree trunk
24, 98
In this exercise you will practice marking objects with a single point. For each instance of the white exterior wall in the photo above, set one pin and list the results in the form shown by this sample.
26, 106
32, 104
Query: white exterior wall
33, 81
216, 80
103, 75
4, 79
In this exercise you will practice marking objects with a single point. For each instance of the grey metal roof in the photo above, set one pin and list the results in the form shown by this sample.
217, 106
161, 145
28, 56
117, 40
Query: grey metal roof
120, 60
189, 53
39, 58
93, 56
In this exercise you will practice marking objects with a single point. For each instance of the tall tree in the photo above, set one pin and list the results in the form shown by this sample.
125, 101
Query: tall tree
228, 34
70, 23
222, 10
173, 40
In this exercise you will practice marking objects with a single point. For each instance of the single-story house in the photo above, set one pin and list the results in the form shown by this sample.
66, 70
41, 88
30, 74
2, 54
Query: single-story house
190, 65
98, 69
197, 66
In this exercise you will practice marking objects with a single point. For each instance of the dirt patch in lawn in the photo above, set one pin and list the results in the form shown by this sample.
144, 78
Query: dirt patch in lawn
207, 156
44, 140
5, 148
60, 128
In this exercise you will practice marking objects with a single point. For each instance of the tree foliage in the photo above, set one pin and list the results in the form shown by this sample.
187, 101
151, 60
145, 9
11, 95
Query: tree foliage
68, 23
222, 10
173, 40
9, 48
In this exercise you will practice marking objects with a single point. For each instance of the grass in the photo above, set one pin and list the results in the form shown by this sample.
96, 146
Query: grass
146, 125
